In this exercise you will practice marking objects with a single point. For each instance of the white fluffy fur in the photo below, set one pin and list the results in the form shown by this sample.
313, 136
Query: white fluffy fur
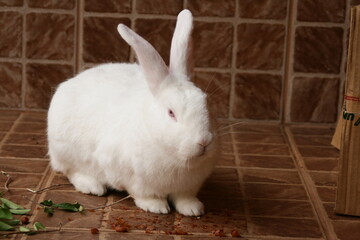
110, 127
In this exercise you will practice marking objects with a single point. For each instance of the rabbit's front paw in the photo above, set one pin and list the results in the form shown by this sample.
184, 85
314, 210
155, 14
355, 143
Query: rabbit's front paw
190, 206
87, 184
154, 205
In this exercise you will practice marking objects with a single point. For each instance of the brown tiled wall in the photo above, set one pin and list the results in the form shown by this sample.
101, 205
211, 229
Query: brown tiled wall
278, 60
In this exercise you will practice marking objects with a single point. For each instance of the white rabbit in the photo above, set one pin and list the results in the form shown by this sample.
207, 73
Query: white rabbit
141, 128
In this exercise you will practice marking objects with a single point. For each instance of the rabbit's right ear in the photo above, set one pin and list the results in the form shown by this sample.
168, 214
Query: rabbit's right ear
180, 44
153, 65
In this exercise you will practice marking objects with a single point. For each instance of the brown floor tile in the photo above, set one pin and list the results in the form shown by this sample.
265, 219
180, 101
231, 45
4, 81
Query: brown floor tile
226, 160
327, 194
322, 164
324, 178
68, 235
257, 100
86, 219
258, 138
226, 148
347, 230
122, 6
312, 131
9, 115
34, 117
2, 135
285, 227
23, 151
282, 208
326, 152
275, 191
140, 220
263, 149
223, 175
26, 139
26, 127
5, 126
23, 165
211, 222
271, 176
257, 128
18, 196
313, 140
226, 190
127, 236
225, 136
219, 204
25, 180
62, 179
127, 204
266, 161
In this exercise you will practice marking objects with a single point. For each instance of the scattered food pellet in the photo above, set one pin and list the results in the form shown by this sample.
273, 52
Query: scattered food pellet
219, 233
24, 220
178, 232
121, 229
94, 231
235, 233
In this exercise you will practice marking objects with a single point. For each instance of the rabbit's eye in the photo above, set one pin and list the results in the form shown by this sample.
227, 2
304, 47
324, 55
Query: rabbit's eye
172, 114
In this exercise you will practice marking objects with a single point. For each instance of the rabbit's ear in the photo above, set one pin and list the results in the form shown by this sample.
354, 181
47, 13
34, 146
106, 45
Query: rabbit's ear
153, 65
180, 44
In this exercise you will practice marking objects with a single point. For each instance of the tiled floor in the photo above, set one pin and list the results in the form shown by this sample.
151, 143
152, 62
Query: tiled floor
272, 182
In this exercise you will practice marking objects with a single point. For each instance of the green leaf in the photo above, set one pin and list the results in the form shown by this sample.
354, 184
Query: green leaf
24, 229
49, 210
39, 226
19, 211
12, 222
4, 226
47, 203
10, 204
5, 214
68, 206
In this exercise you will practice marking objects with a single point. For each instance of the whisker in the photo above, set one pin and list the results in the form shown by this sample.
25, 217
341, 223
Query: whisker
218, 88
228, 126
211, 80
222, 134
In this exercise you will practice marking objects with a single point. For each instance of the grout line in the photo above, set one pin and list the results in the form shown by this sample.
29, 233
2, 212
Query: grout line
323, 220
23, 55
241, 182
79, 33
316, 75
106, 212
233, 72
43, 61
320, 24
288, 62
132, 56
36, 10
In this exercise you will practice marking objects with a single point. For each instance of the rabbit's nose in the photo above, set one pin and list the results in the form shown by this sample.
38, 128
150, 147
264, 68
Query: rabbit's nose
204, 142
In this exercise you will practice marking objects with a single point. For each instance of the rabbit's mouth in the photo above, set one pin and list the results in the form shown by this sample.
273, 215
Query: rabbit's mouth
202, 151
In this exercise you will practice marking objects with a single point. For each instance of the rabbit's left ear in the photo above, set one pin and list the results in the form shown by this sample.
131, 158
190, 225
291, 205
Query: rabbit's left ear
153, 65
180, 44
